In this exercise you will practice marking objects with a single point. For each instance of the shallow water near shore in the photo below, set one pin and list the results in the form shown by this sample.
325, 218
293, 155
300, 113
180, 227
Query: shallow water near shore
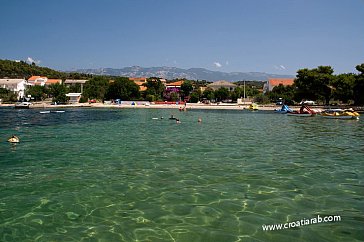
129, 175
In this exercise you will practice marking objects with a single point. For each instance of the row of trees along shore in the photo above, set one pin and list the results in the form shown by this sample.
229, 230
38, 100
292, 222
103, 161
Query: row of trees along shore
319, 84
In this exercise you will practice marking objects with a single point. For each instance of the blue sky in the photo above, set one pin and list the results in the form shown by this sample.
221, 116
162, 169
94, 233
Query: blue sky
273, 36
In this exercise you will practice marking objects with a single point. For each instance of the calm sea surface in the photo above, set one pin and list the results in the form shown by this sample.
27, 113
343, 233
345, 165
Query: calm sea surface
127, 175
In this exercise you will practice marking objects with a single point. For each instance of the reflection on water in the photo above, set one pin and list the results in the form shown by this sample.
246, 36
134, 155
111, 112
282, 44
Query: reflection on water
127, 175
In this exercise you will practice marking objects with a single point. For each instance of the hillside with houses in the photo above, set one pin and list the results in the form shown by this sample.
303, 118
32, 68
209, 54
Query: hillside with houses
20, 80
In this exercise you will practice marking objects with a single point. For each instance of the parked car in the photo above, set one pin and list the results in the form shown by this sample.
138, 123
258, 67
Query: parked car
92, 101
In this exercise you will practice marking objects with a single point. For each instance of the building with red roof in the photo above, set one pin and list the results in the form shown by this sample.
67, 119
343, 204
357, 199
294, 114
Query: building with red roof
273, 82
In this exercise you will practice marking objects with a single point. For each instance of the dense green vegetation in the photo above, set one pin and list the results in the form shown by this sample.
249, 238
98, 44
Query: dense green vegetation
7, 96
318, 84
321, 85
21, 69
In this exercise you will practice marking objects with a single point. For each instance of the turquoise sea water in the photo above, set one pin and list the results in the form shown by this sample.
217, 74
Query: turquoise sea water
120, 175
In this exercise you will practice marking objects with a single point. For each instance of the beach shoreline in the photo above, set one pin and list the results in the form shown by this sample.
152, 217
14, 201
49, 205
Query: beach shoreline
189, 106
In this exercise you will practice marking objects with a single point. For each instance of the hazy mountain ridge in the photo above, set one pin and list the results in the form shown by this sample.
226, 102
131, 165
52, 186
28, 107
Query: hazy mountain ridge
174, 73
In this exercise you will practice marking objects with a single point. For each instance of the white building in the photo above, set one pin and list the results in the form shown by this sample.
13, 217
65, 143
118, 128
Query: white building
74, 97
14, 85
37, 80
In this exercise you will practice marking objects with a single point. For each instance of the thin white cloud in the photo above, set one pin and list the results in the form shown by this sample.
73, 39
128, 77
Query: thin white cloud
217, 64
280, 67
31, 60
227, 63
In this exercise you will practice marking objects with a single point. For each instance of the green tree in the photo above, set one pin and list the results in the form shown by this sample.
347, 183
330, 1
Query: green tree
124, 89
262, 99
195, 96
75, 88
37, 92
314, 84
343, 87
359, 85
237, 93
209, 94
96, 88
281, 91
222, 94
186, 88
154, 87
7, 95
58, 92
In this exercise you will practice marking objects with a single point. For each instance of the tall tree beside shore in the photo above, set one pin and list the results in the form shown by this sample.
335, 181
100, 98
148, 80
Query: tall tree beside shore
186, 88
209, 94
96, 88
359, 85
36, 92
222, 94
343, 87
58, 92
124, 89
154, 87
314, 84
7, 95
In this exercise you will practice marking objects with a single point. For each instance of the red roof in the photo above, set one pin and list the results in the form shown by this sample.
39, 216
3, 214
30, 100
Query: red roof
283, 81
33, 78
53, 81
177, 83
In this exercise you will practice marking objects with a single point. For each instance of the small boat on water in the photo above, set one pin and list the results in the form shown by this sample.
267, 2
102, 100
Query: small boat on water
304, 111
340, 114
283, 109
23, 105
253, 107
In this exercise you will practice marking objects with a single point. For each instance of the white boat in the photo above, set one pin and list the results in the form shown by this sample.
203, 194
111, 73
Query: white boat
23, 105
301, 114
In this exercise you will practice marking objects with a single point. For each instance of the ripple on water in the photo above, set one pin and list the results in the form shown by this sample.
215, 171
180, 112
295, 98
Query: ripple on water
119, 175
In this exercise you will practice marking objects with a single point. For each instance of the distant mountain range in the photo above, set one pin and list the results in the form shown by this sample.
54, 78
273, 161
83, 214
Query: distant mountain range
170, 73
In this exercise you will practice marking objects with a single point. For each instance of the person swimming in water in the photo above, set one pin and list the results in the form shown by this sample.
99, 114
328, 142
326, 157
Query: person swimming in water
14, 139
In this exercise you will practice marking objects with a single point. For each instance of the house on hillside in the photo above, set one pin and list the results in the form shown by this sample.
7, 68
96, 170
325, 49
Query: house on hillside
273, 82
53, 81
140, 81
225, 84
15, 85
37, 80
174, 85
